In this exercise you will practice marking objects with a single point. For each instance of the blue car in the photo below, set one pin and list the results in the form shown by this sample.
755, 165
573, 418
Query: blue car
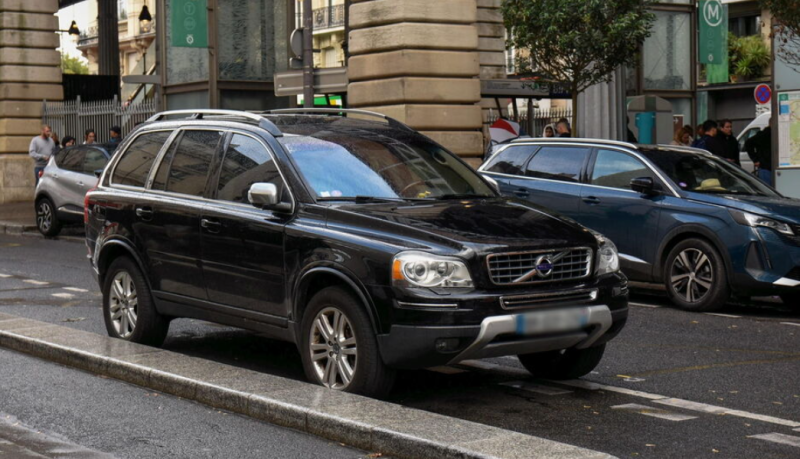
703, 227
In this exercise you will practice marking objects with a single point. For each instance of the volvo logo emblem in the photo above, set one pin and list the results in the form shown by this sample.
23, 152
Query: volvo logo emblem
544, 266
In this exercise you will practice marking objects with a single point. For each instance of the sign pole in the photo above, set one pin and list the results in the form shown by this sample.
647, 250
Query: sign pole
308, 55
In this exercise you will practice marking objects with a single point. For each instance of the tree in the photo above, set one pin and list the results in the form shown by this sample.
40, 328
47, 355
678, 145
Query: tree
577, 43
786, 27
73, 66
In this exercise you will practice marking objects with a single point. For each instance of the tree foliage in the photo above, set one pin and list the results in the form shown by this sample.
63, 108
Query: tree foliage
578, 43
73, 66
786, 26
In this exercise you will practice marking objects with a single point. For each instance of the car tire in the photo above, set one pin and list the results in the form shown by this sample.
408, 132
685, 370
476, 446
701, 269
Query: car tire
128, 307
46, 219
563, 364
695, 276
346, 359
791, 299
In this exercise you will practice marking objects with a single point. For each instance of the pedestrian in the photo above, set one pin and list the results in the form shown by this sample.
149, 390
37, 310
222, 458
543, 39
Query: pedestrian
548, 131
683, 137
562, 128
700, 133
41, 148
709, 141
54, 136
729, 143
89, 137
68, 141
759, 149
116, 136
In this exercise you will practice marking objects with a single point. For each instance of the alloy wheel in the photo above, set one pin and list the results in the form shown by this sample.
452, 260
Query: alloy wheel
332, 345
123, 304
44, 216
692, 275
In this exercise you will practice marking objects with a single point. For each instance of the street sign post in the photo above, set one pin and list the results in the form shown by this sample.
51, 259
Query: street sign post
713, 44
763, 94
189, 23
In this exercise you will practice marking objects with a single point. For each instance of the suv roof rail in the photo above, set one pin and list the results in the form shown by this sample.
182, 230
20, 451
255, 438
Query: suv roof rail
263, 123
662, 146
339, 111
574, 139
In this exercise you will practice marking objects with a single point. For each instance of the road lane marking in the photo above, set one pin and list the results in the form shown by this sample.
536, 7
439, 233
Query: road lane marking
537, 388
791, 323
76, 289
790, 440
35, 282
654, 412
63, 295
5, 276
686, 404
642, 305
731, 316
668, 371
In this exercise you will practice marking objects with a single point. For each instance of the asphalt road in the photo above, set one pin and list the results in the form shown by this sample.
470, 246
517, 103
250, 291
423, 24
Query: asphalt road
673, 384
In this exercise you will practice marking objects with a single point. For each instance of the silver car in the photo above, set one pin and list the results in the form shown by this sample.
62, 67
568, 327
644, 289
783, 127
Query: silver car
63, 184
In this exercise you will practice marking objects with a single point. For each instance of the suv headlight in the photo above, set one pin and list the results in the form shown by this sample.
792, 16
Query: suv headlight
420, 269
748, 219
607, 255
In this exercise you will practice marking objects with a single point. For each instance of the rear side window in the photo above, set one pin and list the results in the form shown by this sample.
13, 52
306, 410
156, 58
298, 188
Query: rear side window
188, 164
134, 167
558, 163
93, 160
71, 159
247, 162
511, 160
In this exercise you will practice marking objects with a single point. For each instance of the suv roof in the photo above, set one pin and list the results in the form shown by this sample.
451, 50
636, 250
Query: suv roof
262, 119
611, 142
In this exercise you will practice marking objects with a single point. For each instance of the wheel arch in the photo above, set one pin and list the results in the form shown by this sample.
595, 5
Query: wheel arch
316, 278
113, 249
690, 232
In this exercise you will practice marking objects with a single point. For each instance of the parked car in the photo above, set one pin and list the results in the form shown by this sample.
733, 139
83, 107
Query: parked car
757, 125
680, 216
363, 242
63, 185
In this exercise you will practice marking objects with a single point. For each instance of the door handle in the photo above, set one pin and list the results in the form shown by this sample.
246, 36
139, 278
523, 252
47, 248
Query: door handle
591, 200
80, 183
522, 193
145, 213
211, 226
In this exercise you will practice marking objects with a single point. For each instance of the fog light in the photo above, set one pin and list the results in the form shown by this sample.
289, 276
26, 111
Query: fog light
447, 344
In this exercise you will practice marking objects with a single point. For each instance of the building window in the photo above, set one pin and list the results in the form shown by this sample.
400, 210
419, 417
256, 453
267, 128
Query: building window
745, 26
667, 56
247, 47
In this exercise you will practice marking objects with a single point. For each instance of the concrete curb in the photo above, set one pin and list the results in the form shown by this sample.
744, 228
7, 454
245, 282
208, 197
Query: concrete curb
16, 228
361, 422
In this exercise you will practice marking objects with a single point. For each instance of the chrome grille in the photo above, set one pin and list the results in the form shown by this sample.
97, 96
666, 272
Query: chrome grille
542, 300
531, 267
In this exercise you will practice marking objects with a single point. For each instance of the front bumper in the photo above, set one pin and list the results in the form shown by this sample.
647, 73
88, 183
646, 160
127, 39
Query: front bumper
768, 265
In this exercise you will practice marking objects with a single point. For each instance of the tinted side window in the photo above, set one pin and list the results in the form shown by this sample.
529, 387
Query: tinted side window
750, 133
616, 169
558, 163
93, 160
511, 160
188, 169
134, 167
247, 162
71, 159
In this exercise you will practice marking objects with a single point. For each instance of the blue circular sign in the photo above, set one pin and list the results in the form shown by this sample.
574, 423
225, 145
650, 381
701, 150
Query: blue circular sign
763, 94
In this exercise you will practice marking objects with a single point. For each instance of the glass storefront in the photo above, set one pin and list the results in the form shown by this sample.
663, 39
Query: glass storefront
246, 45
666, 55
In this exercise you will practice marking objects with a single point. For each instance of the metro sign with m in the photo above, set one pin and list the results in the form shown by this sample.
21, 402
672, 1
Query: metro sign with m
713, 43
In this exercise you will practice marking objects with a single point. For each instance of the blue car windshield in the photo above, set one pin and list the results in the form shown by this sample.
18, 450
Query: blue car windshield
707, 174
364, 164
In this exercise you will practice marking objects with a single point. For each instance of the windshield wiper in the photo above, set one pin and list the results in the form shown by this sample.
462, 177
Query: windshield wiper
359, 199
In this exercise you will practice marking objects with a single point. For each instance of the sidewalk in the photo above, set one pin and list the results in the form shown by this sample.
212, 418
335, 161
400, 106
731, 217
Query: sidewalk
17, 217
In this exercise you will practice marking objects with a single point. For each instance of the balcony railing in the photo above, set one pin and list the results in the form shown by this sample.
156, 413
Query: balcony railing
88, 35
328, 17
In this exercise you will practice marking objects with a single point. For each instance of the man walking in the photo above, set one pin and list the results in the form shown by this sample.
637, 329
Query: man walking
562, 128
709, 140
759, 148
42, 147
729, 143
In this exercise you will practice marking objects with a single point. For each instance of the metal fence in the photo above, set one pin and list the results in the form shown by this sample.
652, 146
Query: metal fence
73, 117
534, 125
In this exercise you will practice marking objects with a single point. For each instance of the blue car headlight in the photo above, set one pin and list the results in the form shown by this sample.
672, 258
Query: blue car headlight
753, 220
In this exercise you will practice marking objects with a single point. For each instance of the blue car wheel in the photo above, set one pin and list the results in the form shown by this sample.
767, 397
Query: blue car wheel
695, 276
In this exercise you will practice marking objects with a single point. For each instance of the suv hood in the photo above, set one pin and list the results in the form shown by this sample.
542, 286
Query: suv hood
484, 225
786, 209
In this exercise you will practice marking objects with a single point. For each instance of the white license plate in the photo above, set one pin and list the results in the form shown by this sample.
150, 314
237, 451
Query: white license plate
555, 321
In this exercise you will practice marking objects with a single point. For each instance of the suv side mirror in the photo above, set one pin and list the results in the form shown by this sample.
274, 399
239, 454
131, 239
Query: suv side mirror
265, 196
643, 185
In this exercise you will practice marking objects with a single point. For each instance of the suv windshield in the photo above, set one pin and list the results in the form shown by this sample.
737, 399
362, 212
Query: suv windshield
706, 174
382, 164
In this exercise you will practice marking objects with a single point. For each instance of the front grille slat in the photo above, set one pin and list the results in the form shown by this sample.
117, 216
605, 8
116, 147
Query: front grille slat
506, 268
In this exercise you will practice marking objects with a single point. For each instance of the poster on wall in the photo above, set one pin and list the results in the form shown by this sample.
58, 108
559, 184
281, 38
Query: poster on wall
789, 128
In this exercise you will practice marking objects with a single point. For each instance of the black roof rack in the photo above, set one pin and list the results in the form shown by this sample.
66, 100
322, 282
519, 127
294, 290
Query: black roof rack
338, 111
198, 114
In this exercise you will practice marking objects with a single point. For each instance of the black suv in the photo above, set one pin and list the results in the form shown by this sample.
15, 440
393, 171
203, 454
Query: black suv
353, 236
